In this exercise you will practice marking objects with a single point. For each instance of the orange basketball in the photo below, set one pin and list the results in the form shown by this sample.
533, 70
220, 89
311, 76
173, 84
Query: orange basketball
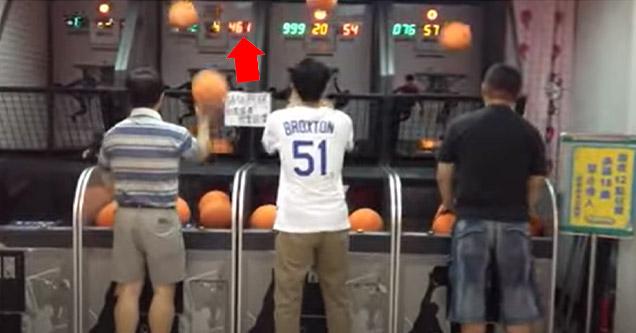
106, 216
365, 219
455, 36
221, 146
322, 4
184, 211
213, 196
443, 222
536, 226
216, 214
263, 217
209, 87
182, 14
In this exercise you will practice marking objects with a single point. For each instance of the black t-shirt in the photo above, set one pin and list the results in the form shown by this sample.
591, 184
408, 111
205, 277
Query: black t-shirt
494, 151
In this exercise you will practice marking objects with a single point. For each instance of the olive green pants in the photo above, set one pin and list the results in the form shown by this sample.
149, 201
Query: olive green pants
296, 254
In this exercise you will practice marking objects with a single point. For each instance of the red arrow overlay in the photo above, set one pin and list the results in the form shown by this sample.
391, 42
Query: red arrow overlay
246, 61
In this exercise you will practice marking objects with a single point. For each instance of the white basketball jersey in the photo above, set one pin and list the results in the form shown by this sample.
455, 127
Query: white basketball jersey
311, 143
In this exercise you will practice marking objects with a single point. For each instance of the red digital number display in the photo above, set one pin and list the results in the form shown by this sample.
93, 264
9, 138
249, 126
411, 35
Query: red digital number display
350, 29
239, 27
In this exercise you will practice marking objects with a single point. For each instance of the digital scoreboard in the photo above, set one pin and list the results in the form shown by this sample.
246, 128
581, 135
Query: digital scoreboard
429, 28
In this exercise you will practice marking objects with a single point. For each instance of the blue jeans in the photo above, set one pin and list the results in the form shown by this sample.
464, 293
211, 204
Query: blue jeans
482, 250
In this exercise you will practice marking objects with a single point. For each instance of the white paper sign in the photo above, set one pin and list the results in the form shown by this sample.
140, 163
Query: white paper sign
243, 109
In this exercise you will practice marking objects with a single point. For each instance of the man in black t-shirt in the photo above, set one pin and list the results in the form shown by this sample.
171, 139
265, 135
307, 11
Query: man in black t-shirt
497, 160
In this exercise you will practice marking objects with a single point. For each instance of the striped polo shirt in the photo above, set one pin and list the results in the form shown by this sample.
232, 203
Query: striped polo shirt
143, 153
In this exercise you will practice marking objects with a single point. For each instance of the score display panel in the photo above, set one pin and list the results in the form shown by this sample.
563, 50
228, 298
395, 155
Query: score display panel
424, 33
320, 37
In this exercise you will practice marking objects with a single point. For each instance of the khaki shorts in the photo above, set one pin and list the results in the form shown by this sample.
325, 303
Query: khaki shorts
147, 237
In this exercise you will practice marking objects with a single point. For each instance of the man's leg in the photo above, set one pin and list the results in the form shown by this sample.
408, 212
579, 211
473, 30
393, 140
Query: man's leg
165, 252
294, 258
128, 270
332, 265
468, 274
127, 308
520, 304
161, 314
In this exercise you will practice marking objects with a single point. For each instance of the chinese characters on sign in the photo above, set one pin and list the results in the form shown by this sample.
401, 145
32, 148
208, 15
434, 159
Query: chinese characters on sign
601, 188
243, 109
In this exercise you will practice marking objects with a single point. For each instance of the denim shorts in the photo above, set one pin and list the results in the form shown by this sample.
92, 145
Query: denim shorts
492, 258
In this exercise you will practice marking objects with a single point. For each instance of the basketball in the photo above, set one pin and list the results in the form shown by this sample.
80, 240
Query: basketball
221, 147
536, 226
209, 87
263, 217
106, 216
182, 14
216, 214
213, 196
365, 219
184, 211
95, 198
443, 222
455, 36
322, 4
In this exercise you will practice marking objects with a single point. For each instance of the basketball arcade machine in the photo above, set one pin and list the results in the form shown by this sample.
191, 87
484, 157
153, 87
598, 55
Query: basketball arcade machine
343, 39
205, 300
45, 130
451, 87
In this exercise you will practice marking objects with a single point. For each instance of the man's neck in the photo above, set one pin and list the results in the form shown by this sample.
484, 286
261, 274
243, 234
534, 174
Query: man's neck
315, 105
500, 102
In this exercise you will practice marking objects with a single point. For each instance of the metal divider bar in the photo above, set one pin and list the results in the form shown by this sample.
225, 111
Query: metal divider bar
78, 285
555, 252
238, 196
398, 248
392, 260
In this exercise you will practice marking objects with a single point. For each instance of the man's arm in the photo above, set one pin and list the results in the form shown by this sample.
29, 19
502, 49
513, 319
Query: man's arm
447, 158
350, 136
534, 188
208, 117
445, 184
103, 167
538, 170
269, 140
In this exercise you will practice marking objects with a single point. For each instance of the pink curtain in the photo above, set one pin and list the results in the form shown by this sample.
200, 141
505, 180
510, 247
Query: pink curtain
545, 44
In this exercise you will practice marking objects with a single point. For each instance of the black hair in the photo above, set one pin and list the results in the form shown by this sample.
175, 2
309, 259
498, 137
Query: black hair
310, 78
502, 79
144, 87
410, 78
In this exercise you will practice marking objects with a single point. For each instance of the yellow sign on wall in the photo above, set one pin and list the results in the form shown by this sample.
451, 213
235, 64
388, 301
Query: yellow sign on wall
601, 189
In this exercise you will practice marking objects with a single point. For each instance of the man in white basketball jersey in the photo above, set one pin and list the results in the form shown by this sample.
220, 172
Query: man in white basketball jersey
312, 217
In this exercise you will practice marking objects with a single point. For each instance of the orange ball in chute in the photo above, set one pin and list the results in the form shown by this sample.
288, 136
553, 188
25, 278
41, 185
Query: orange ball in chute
322, 4
213, 196
221, 146
443, 222
106, 216
263, 217
455, 36
209, 87
182, 14
365, 219
183, 210
216, 214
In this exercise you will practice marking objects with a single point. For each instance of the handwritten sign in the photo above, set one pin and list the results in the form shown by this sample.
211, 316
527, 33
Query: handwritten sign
244, 109
601, 189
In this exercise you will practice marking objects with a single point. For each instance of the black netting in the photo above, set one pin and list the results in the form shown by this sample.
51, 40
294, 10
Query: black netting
424, 118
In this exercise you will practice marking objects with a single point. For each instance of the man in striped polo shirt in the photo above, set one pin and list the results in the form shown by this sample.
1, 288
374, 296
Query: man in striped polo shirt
142, 154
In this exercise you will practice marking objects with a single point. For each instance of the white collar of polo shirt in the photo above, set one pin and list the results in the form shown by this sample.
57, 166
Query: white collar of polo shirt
145, 112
